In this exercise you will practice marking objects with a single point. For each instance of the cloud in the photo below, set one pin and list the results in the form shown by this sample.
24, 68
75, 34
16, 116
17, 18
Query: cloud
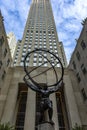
15, 14
68, 15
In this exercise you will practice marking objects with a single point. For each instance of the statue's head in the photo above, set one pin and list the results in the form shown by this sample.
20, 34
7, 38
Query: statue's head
45, 87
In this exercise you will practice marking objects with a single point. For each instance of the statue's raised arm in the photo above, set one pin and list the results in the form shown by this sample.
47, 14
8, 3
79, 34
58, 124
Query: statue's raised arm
32, 86
56, 88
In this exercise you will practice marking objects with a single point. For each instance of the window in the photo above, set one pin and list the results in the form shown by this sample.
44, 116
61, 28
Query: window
84, 94
14, 62
83, 45
3, 75
61, 111
0, 64
37, 121
5, 52
22, 63
25, 45
55, 50
40, 63
34, 64
27, 59
35, 59
50, 46
1, 40
74, 65
28, 31
83, 69
35, 54
22, 58
54, 43
22, 98
24, 49
44, 31
36, 46
78, 55
55, 47
8, 61
78, 77
31, 31
45, 64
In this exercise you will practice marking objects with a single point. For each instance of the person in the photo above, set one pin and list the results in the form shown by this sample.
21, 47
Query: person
46, 103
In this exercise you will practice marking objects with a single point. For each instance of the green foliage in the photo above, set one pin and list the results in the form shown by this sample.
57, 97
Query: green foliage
83, 21
77, 127
6, 126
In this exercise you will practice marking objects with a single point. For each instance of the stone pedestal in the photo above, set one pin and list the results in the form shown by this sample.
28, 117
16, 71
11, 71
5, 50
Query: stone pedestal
46, 126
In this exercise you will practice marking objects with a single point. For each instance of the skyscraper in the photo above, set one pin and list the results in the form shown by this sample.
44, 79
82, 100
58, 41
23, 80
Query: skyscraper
19, 105
12, 42
40, 32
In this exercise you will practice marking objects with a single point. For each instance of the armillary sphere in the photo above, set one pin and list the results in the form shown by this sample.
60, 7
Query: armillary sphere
48, 61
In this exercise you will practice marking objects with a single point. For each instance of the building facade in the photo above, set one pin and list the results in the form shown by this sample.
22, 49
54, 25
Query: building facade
40, 32
78, 61
19, 105
5, 56
12, 42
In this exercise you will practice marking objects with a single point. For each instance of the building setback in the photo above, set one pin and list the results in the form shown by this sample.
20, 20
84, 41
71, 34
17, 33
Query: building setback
19, 105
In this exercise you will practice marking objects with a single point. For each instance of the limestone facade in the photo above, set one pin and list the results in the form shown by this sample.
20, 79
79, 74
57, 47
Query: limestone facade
5, 56
78, 62
73, 107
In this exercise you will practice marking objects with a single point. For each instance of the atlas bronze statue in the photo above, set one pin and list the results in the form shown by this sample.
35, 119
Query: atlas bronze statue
46, 90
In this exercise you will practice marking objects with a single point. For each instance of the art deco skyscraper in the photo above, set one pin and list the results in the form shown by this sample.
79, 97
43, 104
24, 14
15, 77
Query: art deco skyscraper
40, 32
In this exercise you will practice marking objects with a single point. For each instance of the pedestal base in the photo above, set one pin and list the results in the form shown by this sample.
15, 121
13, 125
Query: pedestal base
46, 126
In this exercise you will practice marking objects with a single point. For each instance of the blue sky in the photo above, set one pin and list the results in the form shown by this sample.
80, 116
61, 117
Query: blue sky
68, 15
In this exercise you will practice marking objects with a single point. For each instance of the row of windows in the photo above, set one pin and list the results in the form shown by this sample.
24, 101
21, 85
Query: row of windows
78, 56
49, 32
83, 90
41, 39
83, 46
34, 63
40, 62
83, 70
1, 43
82, 67
17, 52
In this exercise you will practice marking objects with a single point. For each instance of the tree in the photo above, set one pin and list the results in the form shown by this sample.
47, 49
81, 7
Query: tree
77, 127
6, 126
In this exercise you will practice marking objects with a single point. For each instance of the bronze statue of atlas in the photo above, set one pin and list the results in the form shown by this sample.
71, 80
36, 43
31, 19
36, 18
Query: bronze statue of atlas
46, 90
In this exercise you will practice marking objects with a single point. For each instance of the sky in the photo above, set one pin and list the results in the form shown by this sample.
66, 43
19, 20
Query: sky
68, 15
